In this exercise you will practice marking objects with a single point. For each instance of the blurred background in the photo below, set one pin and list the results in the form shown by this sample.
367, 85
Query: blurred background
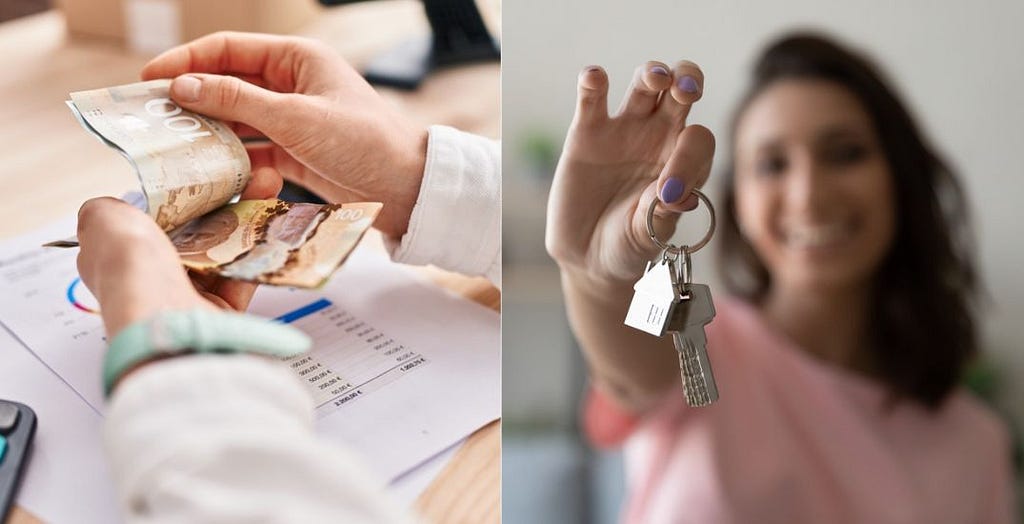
959, 69
54, 47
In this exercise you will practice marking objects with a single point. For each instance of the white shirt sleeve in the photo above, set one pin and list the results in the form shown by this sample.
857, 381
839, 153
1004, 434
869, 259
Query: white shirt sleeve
229, 438
456, 223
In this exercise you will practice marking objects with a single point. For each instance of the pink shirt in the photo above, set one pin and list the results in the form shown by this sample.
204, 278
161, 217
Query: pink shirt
793, 439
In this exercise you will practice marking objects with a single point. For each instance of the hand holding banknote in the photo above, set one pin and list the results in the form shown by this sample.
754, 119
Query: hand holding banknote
331, 132
134, 270
191, 166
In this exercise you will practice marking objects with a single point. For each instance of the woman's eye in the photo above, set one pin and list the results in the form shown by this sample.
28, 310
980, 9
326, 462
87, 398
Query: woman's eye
771, 166
847, 154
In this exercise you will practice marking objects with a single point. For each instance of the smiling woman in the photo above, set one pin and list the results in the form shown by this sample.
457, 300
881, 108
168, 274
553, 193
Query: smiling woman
835, 189
838, 355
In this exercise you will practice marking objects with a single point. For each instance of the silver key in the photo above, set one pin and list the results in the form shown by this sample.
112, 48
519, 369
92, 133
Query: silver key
693, 312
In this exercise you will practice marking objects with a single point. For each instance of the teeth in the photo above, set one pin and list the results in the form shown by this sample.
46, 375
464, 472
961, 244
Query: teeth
815, 236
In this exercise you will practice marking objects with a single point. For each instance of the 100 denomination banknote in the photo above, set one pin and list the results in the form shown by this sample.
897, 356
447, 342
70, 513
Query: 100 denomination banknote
190, 167
188, 164
274, 242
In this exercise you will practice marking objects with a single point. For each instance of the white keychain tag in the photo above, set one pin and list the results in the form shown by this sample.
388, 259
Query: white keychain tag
654, 299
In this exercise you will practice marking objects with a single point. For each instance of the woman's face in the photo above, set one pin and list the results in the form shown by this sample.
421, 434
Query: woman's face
814, 191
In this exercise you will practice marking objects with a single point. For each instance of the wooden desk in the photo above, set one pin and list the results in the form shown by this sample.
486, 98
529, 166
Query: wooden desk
49, 166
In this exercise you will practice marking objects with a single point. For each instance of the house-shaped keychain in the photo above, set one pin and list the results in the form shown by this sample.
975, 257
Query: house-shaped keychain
654, 298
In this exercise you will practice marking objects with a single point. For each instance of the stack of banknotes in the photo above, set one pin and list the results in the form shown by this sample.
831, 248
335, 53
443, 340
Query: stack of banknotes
192, 167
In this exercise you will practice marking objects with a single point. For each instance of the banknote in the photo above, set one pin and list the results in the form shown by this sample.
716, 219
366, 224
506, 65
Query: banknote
191, 167
274, 242
188, 164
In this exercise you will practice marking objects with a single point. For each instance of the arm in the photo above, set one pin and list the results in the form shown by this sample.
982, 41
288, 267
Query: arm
201, 438
630, 366
611, 170
456, 223
230, 439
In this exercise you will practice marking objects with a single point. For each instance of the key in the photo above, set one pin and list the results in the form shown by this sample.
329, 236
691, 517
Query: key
693, 312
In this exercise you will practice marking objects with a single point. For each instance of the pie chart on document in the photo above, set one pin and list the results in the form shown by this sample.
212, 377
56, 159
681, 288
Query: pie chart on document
80, 297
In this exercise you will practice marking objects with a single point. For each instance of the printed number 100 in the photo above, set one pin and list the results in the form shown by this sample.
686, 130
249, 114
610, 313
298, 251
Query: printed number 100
187, 126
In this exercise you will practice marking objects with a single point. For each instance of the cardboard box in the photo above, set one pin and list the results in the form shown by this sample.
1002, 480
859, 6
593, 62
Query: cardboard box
151, 26
94, 18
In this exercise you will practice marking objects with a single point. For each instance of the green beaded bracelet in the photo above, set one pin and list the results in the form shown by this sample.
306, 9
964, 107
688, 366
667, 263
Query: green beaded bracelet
198, 331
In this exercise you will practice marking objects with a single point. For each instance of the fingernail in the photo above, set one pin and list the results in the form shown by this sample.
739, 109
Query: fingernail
186, 88
672, 190
658, 70
688, 84
592, 69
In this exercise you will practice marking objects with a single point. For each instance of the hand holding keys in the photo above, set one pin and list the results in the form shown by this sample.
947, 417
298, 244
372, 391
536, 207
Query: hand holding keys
666, 300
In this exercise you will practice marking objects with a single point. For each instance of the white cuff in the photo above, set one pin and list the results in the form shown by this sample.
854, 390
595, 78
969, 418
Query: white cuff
236, 392
229, 438
456, 223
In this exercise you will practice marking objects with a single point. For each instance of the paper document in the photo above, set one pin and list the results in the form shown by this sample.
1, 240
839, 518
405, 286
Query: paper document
400, 370
67, 479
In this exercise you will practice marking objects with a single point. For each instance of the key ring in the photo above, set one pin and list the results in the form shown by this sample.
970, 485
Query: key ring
687, 250
683, 272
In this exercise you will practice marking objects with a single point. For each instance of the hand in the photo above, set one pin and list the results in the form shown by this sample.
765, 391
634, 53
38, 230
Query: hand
331, 132
133, 270
610, 171
612, 168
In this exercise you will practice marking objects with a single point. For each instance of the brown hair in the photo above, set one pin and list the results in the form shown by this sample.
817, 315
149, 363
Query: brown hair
924, 292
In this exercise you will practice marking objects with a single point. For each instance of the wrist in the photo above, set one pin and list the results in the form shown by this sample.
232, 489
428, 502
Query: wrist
406, 190
178, 332
121, 313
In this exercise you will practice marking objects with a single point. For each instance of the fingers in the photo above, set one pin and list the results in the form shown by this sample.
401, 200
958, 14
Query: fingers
111, 233
229, 98
664, 221
236, 294
687, 87
223, 292
320, 186
688, 167
649, 81
284, 165
129, 264
592, 97
105, 218
265, 56
265, 183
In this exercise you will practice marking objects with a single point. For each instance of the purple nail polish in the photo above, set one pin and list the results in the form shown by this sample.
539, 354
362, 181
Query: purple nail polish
658, 70
688, 84
672, 190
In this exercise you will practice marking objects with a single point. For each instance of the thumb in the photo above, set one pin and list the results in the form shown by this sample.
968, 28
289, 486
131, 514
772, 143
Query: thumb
664, 220
266, 182
235, 100
687, 168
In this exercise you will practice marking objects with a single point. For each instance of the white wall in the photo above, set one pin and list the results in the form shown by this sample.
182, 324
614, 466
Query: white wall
960, 68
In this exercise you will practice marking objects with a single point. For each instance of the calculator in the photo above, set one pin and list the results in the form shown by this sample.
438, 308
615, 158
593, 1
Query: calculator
17, 427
